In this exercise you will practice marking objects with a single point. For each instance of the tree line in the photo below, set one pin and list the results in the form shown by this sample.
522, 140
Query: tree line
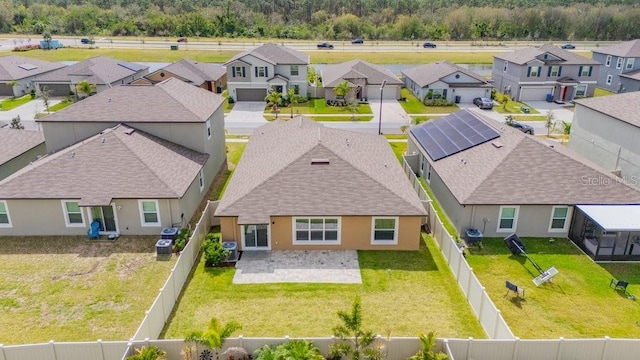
329, 19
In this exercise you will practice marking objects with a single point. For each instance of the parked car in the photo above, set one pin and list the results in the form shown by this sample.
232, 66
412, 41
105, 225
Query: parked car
325, 45
182, 39
567, 46
86, 41
483, 103
527, 129
429, 45
357, 41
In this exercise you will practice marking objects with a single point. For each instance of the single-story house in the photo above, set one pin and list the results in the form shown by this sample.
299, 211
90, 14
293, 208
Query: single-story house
364, 79
24, 72
444, 80
18, 149
102, 71
131, 182
212, 77
300, 185
496, 179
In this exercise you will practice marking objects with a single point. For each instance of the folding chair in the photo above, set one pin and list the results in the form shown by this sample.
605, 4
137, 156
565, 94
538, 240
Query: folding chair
515, 288
619, 285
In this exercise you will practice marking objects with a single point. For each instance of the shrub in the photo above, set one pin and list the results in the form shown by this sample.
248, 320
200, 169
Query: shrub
148, 353
493, 94
182, 239
439, 102
214, 253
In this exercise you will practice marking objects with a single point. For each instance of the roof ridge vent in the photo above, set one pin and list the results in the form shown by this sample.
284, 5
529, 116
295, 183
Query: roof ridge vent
129, 131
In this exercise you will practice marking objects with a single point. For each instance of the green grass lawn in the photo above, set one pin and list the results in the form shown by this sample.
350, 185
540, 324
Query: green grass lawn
228, 107
414, 106
448, 225
61, 105
530, 118
578, 303
323, 118
512, 107
11, 103
404, 293
71, 289
318, 106
598, 91
234, 154
399, 148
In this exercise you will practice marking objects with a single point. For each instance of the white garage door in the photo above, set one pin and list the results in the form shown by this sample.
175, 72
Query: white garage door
535, 94
468, 94
251, 94
390, 92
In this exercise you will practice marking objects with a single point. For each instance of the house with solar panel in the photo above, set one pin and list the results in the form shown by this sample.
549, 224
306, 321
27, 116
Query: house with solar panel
133, 169
498, 180
24, 71
102, 71
300, 185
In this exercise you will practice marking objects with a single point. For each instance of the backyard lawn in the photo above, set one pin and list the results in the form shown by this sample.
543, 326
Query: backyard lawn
512, 106
404, 293
414, 106
10, 103
71, 289
578, 303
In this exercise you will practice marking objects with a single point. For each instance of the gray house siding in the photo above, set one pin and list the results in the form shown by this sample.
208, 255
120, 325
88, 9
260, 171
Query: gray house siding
21, 161
532, 221
617, 84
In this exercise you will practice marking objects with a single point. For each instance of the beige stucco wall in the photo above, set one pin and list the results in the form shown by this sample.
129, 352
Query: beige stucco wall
22, 160
59, 135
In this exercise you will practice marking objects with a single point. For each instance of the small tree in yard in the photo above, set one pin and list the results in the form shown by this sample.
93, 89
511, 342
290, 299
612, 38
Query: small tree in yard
566, 129
427, 343
274, 99
341, 90
355, 341
148, 353
505, 101
45, 95
213, 251
16, 124
85, 87
352, 105
12, 84
549, 123
213, 337
46, 36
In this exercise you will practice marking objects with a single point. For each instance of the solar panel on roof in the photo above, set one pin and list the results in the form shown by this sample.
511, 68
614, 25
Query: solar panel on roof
452, 134
27, 66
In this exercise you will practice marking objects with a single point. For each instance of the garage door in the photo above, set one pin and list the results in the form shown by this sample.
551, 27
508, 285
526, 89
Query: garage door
468, 94
390, 92
6, 90
251, 94
535, 94
56, 89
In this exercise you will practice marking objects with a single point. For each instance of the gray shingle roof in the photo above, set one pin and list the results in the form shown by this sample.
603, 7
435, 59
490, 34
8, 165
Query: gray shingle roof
424, 75
523, 56
275, 54
14, 67
334, 74
276, 177
527, 170
172, 100
626, 49
99, 70
195, 71
16, 142
139, 166
624, 107
634, 75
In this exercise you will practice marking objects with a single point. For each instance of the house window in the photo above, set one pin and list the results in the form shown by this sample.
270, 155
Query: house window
559, 219
585, 71
555, 70
296, 89
504, 68
73, 215
5, 219
630, 62
238, 71
384, 230
508, 219
261, 71
208, 129
581, 90
201, 180
533, 71
149, 213
294, 70
316, 230
609, 78
619, 64
608, 62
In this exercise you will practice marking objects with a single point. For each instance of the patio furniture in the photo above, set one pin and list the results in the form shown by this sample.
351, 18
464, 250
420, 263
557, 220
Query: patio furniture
94, 230
516, 247
619, 285
515, 288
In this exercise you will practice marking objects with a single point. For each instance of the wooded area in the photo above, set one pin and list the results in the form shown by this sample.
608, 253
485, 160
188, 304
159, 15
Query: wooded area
330, 19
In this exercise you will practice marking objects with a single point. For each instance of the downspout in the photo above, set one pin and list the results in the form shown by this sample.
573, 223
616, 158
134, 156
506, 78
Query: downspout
170, 214
473, 215
617, 158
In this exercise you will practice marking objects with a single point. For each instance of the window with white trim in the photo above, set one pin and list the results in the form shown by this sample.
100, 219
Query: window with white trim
620, 62
585, 70
559, 219
261, 71
504, 68
555, 70
73, 215
384, 230
630, 62
201, 179
5, 218
149, 212
609, 78
608, 62
508, 219
533, 71
208, 129
316, 230
294, 70
581, 90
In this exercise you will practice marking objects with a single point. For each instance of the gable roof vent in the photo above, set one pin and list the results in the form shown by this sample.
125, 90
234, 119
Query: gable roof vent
319, 161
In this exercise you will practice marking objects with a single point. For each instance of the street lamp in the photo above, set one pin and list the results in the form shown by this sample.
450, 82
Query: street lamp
384, 82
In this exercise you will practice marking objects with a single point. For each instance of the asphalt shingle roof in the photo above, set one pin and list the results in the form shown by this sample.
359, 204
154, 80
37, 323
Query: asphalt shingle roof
16, 142
626, 49
624, 107
334, 74
275, 54
14, 67
172, 100
139, 166
276, 177
424, 75
528, 171
99, 70
523, 56
195, 71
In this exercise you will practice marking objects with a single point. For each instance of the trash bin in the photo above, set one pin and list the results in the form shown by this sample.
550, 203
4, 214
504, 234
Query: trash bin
525, 109
233, 247
457, 99
174, 47
473, 237
163, 249
549, 97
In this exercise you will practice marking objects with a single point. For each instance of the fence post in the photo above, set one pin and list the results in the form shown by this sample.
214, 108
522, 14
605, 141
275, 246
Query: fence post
495, 327
458, 269
101, 348
559, 348
469, 281
164, 316
516, 343
604, 348
484, 295
2, 356
469, 347
146, 319
53, 349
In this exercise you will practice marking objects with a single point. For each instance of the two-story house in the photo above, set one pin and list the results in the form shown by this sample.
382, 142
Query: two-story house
620, 69
532, 74
252, 74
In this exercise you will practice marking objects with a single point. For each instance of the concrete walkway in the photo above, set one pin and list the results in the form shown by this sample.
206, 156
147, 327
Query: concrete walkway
298, 266
27, 113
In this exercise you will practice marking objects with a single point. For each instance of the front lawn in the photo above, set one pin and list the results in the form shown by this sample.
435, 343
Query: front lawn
61, 105
10, 103
413, 105
404, 293
319, 106
70, 289
512, 106
578, 303
598, 91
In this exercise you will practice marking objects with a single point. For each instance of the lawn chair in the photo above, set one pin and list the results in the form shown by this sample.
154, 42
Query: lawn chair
94, 230
619, 285
515, 288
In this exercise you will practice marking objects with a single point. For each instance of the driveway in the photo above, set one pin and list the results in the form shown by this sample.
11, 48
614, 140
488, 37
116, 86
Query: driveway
392, 112
247, 111
27, 113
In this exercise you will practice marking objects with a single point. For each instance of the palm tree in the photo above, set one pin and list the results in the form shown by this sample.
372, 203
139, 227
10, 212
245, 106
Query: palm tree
274, 99
85, 87
12, 84
148, 353
356, 341
566, 129
427, 343
341, 90
215, 335
299, 350
292, 98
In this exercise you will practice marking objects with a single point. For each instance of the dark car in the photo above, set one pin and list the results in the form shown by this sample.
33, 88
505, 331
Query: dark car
527, 129
483, 103
429, 45
325, 45
567, 46
357, 41
86, 41
182, 39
